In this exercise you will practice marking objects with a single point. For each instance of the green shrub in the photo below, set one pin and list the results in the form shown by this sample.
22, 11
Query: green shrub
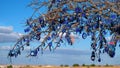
75, 65
92, 65
66, 65
10, 66
61, 65
106, 65
83, 65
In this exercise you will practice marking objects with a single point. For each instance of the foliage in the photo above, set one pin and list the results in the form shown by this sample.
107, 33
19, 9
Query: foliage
107, 65
66, 65
61, 65
92, 65
83, 65
81, 17
10, 66
75, 65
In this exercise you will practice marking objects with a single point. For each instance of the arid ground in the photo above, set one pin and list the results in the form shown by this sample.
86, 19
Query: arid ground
49, 66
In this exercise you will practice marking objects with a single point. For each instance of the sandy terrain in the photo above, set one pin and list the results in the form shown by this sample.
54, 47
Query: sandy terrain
48, 66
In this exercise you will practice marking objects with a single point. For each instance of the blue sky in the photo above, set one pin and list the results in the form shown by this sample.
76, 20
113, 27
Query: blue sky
13, 14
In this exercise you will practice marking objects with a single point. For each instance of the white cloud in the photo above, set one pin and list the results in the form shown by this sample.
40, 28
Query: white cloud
7, 34
59, 56
9, 47
6, 29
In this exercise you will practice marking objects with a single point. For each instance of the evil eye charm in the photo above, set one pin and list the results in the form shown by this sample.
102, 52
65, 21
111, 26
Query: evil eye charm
84, 15
78, 10
63, 30
27, 44
11, 53
99, 17
64, 9
84, 35
99, 59
113, 16
33, 53
38, 49
71, 18
27, 29
78, 30
27, 22
40, 20
22, 48
31, 26
93, 38
53, 28
58, 45
49, 38
19, 52
50, 45
53, 35
93, 56
111, 53
58, 0
106, 49
93, 45
65, 22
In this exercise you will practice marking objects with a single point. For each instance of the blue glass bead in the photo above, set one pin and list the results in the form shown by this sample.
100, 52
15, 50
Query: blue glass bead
40, 20
58, 45
113, 16
78, 10
31, 26
83, 14
27, 22
65, 22
50, 43
53, 28
53, 35
71, 18
53, 1
93, 56
64, 9
106, 49
38, 49
84, 35
77, 30
49, 38
68, 26
42, 25
58, 0
27, 29
98, 17
99, 60
11, 53
24, 39
33, 53
63, 30
22, 48
38, 29
111, 53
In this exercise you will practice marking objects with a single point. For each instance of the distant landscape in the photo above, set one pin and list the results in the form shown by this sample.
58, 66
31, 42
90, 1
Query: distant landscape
61, 66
